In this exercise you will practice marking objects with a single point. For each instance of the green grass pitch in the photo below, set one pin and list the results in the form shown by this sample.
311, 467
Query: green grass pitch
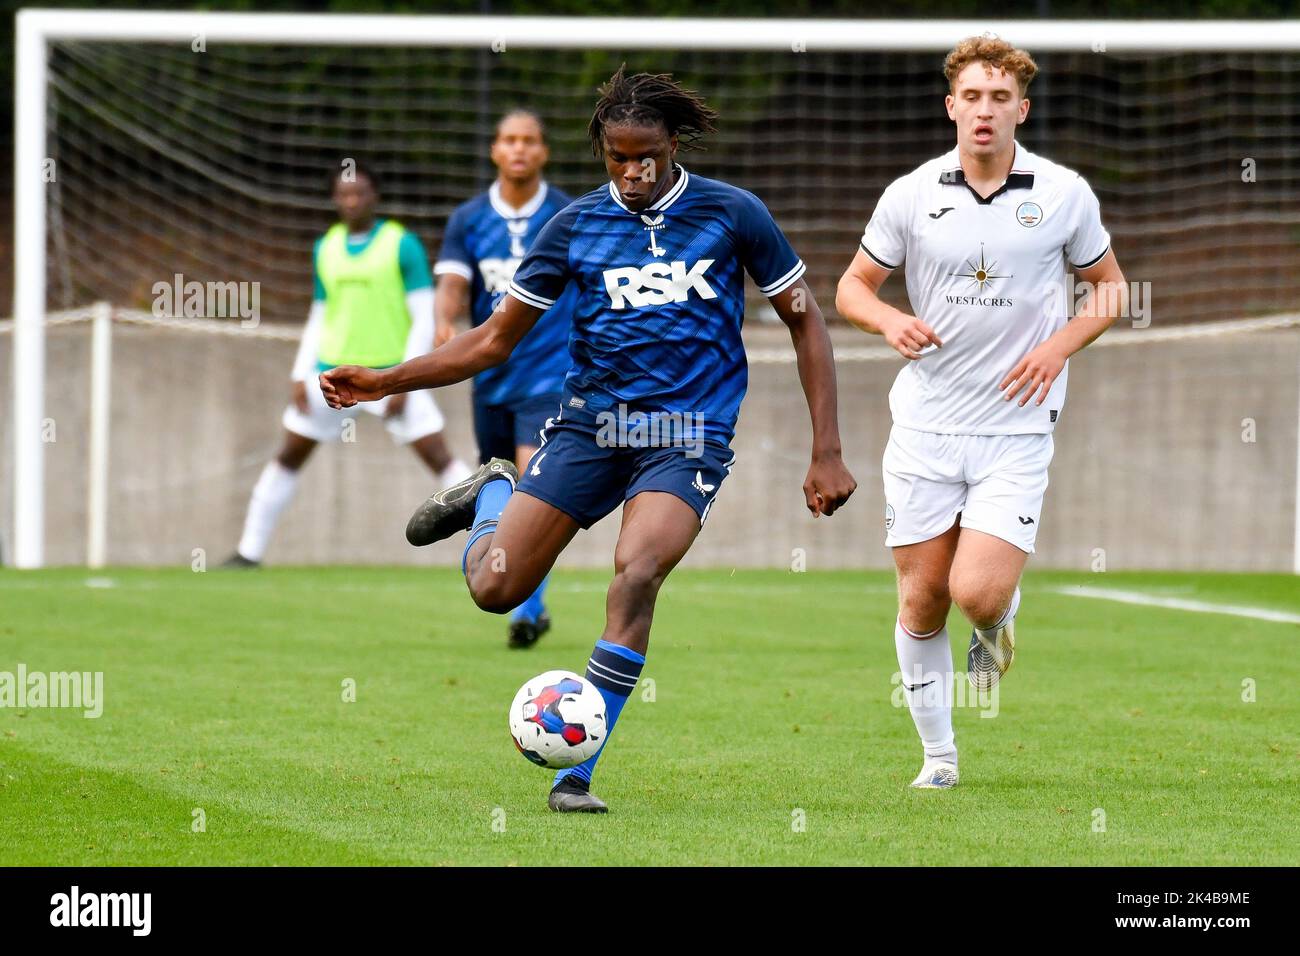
1121, 737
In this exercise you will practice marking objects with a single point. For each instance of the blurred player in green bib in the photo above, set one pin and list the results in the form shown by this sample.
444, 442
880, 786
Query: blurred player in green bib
372, 306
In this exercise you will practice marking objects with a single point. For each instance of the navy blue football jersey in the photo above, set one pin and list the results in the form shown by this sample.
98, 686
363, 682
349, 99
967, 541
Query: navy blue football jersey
660, 296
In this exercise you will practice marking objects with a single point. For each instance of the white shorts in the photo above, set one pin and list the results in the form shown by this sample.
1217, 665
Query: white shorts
995, 482
324, 424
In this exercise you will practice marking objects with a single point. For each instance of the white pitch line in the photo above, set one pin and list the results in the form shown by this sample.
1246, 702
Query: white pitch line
1179, 604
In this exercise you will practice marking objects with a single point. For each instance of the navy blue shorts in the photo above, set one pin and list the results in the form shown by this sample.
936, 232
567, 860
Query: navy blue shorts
586, 480
500, 429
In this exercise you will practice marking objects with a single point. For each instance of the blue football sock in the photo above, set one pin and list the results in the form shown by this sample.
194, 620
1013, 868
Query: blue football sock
533, 608
491, 501
614, 670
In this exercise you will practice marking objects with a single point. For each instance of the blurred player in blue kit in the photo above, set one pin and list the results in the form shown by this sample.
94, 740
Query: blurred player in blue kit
485, 242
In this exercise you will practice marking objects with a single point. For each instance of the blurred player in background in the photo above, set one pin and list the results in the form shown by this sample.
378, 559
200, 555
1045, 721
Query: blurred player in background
987, 231
372, 305
485, 241
659, 256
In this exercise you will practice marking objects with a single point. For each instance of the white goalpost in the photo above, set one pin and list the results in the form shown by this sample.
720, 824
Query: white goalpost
38, 31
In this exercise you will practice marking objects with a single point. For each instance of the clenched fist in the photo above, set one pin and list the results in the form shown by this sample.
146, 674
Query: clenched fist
346, 385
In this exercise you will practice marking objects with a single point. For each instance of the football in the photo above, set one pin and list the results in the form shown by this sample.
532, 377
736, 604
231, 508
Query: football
557, 719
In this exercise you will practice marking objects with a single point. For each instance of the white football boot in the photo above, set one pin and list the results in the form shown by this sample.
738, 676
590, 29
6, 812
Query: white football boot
938, 773
988, 660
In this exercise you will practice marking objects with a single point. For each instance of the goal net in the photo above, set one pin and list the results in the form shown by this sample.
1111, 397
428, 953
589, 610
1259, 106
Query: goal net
213, 164
175, 147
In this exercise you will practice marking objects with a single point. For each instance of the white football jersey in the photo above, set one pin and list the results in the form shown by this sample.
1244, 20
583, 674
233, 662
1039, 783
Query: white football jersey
990, 277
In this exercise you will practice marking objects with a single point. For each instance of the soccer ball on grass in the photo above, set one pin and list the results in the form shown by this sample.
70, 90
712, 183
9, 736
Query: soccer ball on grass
557, 720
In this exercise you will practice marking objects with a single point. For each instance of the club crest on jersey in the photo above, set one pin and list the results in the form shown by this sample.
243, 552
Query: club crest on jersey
518, 229
1029, 214
657, 283
652, 225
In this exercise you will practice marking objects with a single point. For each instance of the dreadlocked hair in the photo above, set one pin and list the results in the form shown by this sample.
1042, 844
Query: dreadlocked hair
650, 99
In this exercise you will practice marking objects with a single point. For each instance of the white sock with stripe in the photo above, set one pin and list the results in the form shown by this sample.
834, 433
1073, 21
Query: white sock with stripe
925, 663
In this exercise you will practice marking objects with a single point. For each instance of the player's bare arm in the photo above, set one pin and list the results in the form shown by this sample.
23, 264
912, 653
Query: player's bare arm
463, 357
1035, 373
451, 301
857, 298
828, 484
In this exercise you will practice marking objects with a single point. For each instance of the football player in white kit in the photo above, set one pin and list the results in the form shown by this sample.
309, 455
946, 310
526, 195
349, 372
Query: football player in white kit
988, 232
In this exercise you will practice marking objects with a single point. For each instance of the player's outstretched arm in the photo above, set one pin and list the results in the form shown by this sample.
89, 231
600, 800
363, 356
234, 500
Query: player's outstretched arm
857, 299
463, 357
829, 483
1035, 373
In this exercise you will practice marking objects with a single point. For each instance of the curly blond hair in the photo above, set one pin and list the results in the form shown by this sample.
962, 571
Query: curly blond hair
997, 54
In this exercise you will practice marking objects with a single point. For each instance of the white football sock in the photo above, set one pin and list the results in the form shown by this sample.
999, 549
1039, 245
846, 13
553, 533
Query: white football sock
456, 471
927, 660
274, 489
991, 632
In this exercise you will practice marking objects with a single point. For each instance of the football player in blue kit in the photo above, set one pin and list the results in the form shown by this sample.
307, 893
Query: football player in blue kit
658, 256
485, 241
